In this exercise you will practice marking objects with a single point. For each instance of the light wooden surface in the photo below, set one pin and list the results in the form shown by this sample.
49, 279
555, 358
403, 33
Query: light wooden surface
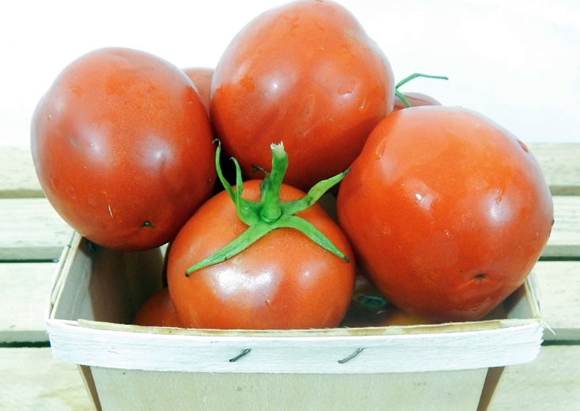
32, 236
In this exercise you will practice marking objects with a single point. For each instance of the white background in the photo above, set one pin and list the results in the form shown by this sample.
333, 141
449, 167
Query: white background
517, 62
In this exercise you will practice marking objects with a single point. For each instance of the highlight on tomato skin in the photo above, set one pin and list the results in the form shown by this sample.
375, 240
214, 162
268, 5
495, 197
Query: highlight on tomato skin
456, 212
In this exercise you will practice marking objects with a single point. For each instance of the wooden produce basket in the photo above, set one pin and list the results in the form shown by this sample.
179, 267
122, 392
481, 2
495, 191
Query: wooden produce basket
97, 292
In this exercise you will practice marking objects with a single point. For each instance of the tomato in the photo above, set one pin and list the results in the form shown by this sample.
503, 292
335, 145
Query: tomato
201, 77
281, 280
123, 148
416, 100
446, 210
307, 74
158, 311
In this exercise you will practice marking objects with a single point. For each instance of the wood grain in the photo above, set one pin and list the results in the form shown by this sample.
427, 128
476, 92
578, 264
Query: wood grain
31, 380
551, 382
559, 284
30, 229
560, 166
18, 177
25, 301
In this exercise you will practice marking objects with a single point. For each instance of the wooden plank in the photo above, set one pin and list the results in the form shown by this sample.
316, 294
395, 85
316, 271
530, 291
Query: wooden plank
288, 392
30, 380
24, 226
18, 174
30, 229
559, 284
565, 237
551, 382
22, 320
560, 165
23, 307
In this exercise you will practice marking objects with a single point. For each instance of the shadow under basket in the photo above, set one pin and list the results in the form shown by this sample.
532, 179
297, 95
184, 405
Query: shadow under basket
97, 292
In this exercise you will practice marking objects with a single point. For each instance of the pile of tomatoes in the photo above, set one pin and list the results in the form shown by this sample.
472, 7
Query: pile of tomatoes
337, 195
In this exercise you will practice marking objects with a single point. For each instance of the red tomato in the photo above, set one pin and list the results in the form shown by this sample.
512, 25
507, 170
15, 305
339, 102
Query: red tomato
307, 74
416, 100
282, 281
123, 148
446, 210
158, 311
201, 77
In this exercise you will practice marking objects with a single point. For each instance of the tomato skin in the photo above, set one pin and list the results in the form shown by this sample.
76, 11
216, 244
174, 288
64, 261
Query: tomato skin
123, 148
305, 74
446, 210
416, 100
201, 77
158, 311
282, 281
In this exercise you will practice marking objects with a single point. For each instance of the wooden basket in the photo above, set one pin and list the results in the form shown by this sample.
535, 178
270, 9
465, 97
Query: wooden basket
97, 292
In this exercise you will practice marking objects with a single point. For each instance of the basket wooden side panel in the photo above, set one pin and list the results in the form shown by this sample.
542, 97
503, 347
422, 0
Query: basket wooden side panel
139, 390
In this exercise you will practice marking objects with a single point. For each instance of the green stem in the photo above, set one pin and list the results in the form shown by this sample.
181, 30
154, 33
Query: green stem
415, 75
409, 78
271, 210
250, 236
402, 97
270, 213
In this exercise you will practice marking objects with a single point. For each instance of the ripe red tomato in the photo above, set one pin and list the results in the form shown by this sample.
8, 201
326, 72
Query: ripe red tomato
201, 77
123, 148
307, 74
446, 210
416, 100
282, 281
158, 311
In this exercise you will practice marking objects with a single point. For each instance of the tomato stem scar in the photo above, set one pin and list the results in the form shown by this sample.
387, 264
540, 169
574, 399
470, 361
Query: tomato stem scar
269, 213
409, 78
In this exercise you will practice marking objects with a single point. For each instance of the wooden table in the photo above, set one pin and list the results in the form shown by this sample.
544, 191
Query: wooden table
32, 236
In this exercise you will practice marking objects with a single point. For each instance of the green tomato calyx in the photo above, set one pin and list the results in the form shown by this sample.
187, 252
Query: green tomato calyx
269, 213
409, 78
